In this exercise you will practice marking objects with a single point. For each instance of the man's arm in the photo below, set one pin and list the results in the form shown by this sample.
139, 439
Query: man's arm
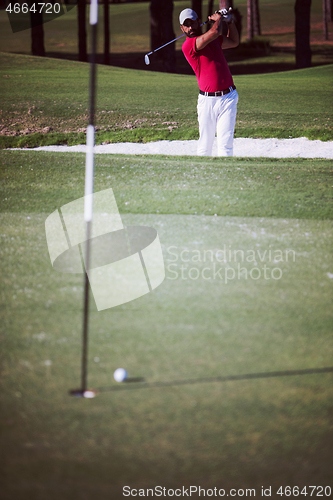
214, 32
232, 39
229, 42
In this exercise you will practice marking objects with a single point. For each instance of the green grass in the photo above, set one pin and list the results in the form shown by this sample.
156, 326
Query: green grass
249, 433
45, 102
292, 188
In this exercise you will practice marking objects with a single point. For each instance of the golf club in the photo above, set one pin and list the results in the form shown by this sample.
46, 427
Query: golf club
147, 60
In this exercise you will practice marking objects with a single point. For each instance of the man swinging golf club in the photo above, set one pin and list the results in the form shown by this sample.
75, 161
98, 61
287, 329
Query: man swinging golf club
217, 101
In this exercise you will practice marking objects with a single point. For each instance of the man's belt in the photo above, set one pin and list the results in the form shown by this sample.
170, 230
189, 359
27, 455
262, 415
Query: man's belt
219, 93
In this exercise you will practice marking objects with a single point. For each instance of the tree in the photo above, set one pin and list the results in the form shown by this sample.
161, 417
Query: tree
253, 19
82, 33
250, 30
330, 10
106, 33
327, 15
37, 33
226, 4
210, 8
302, 33
325, 19
161, 32
197, 7
256, 18
209, 11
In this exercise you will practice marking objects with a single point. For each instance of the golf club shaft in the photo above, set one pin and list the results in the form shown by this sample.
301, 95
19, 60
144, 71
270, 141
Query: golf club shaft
171, 41
162, 46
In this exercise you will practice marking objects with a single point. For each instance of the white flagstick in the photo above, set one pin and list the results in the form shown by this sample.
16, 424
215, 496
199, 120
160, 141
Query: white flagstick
89, 190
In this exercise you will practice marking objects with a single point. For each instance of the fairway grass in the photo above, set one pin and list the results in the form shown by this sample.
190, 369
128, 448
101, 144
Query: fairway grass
45, 101
247, 246
245, 187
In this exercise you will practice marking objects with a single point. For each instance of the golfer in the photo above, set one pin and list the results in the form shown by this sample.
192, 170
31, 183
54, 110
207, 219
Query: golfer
217, 101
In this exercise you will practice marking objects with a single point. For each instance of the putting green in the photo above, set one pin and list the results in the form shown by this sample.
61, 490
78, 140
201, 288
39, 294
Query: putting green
208, 319
240, 295
195, 325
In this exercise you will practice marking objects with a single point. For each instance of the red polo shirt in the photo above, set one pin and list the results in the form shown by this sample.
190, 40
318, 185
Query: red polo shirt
209, 65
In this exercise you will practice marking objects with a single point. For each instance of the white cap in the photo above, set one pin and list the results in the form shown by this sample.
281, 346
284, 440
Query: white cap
187, 14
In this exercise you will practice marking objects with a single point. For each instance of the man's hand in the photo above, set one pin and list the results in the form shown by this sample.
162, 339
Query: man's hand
215, 17
230, 41
226, 15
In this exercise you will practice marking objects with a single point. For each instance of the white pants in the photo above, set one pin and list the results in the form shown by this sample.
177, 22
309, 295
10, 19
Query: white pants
217, 114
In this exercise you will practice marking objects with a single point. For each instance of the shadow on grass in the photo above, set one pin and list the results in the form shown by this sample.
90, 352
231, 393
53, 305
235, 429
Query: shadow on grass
141, 384
135, 60
238, 63
249, 58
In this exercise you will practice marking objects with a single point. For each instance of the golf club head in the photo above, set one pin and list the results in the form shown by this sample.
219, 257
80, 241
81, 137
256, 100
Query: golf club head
147, 61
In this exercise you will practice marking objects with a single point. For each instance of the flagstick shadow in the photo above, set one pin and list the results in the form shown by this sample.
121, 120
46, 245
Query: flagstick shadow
141, 384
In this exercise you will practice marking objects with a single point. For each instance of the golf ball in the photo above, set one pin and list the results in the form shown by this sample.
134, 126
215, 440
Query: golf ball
120, 375
89, 394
